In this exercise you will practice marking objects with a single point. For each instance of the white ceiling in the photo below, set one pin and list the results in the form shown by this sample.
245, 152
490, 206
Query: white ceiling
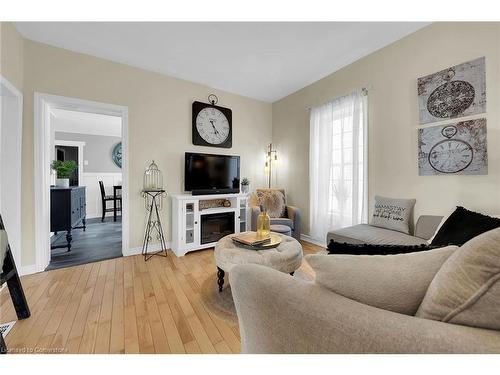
85, 123
265, 61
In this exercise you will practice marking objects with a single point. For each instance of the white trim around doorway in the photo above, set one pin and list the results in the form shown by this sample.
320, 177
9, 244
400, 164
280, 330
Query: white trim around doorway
43, 104
12, 114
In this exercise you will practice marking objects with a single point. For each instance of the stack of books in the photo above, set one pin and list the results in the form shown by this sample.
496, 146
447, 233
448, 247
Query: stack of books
251, 239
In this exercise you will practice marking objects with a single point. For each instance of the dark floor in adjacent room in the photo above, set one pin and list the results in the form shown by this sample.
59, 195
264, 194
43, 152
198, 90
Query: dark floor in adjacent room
101, 240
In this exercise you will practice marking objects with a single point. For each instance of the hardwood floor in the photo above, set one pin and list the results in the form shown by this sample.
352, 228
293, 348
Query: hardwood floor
123, 305
101, 240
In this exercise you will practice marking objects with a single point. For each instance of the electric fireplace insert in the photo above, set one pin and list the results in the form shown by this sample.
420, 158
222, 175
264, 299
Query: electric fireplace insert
216, 226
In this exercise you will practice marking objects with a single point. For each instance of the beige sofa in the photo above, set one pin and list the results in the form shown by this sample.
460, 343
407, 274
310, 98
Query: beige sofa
279, 313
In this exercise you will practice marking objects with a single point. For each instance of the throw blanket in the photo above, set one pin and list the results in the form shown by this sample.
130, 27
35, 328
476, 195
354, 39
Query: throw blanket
370, 249
4, 241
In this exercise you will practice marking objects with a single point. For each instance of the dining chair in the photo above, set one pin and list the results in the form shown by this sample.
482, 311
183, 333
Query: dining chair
106, 198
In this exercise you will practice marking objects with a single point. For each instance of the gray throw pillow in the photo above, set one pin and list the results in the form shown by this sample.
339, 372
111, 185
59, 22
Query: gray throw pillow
394, 214
391, 282
466, 290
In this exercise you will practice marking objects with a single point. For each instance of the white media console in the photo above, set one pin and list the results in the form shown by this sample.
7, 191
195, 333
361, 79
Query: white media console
194, 228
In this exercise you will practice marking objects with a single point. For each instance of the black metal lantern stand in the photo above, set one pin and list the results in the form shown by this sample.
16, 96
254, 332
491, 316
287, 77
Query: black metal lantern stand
154, 229
153, 194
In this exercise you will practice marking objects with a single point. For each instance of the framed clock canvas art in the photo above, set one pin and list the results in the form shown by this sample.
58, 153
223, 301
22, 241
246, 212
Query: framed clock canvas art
212, 125
459, 148
454, 92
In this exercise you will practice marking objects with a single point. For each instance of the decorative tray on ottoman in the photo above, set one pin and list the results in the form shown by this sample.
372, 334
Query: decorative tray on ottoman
249, 240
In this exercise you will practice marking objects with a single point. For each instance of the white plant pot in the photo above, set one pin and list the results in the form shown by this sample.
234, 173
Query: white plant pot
62, 182
245, 188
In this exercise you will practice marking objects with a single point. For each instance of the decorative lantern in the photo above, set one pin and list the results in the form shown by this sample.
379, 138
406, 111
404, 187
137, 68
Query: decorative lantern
153, 183
153, 178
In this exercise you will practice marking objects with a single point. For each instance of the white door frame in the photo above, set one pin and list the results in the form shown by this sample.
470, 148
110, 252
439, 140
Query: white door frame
13, 221
43, 105
80, 146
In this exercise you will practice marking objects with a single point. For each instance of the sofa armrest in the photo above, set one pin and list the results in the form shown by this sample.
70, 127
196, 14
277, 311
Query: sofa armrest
279, 313
427, 225
295, 215
253, 220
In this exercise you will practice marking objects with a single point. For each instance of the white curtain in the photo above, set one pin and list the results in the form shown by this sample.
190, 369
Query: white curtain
338, 164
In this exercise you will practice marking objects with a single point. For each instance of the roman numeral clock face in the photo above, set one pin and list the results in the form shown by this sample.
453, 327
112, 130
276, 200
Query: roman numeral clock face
451, 156
211, 125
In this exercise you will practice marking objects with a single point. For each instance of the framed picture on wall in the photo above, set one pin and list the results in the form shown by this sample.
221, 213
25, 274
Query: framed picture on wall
456, 91
459, 148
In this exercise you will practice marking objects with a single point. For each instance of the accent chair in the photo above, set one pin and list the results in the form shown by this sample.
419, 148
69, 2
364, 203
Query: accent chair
290, 218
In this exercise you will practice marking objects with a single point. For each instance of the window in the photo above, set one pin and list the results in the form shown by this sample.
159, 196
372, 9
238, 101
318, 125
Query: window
337, 164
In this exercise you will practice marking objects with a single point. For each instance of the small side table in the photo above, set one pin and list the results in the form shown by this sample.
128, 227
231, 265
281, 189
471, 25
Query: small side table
153, 226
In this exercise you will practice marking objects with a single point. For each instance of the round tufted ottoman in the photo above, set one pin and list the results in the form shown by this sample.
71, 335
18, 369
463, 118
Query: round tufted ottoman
282, 229
287, 257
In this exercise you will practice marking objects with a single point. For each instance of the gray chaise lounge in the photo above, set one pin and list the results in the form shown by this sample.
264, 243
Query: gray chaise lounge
365, 233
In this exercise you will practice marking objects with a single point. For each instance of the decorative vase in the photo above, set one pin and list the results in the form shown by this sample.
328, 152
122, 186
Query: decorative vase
62, 182
244, 189
263, 223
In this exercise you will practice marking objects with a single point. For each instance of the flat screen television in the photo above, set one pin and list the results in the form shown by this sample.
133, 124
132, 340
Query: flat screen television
211, 174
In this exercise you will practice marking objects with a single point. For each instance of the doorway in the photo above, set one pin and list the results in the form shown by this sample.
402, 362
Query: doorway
70, 150
90, 239
65, 153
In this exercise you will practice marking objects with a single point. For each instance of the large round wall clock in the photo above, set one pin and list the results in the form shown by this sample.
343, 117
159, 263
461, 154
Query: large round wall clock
212, 125
450, 155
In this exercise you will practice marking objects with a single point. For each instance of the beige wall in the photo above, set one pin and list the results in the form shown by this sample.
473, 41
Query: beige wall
393, 119
160, 119
11, 54
159, 124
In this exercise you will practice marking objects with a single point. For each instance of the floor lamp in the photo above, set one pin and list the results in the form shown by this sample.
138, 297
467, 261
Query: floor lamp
271, 158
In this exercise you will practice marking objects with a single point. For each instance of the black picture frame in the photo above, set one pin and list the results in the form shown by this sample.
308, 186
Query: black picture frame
197, 139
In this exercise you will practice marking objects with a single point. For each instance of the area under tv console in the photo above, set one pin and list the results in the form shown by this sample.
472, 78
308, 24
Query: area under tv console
199, 221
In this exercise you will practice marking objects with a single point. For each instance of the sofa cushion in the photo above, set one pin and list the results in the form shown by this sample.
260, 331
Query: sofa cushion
427, 226
392, 213
392, 282
282, 221
463, 225
364, 233
466, 290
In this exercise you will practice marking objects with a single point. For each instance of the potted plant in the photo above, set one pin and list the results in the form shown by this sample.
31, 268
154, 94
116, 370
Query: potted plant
64, 170
245, 184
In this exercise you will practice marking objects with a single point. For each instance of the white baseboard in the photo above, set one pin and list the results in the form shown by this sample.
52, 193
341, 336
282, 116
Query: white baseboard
307, 238
31, 269
27, 270
107, 216
138, 250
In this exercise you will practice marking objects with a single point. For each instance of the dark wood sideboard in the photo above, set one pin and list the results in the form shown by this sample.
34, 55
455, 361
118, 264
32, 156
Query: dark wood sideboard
67, 211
